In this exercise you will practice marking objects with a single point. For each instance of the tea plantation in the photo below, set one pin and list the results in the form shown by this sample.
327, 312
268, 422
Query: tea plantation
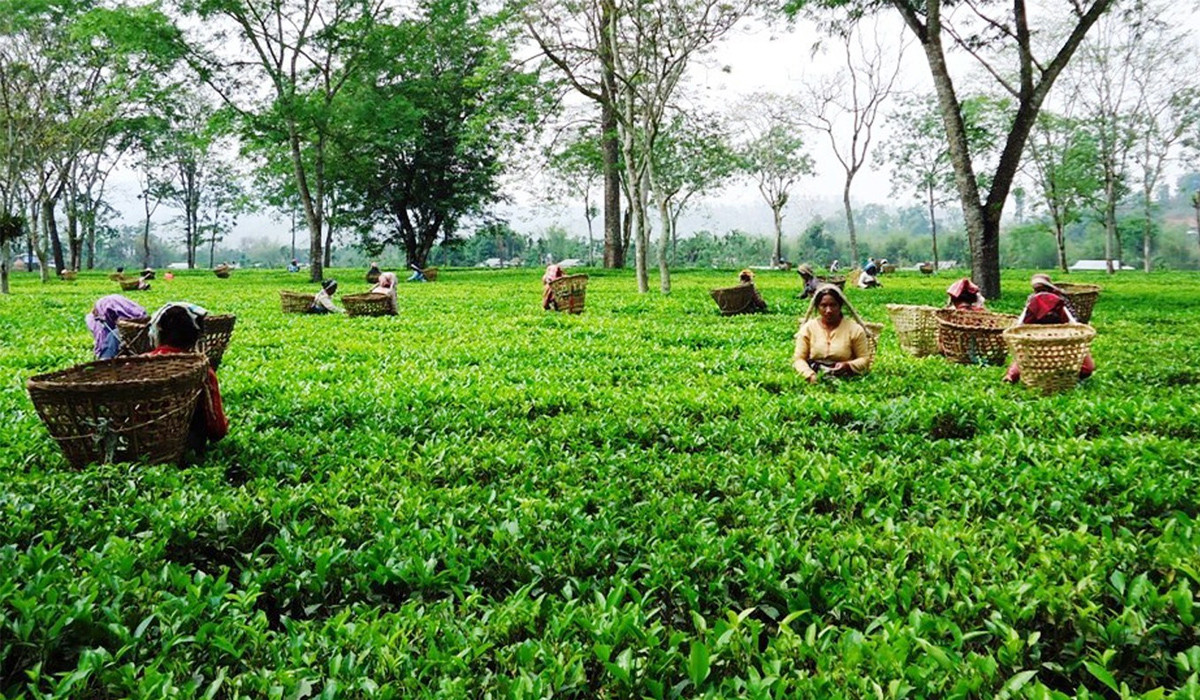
477, 498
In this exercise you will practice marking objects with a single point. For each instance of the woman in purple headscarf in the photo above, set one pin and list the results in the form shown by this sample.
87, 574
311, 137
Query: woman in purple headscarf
102, 322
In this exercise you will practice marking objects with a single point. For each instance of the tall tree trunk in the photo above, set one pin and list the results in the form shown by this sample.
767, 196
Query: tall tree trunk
849, 218
37, 244
89, 232
1060, 239
146, 231
4, 256
777, 251
328, 261
1110, 219
1196, 204
1148, 207
664, 243
52, 233
73, 237
933, 225
311, 203
614, 242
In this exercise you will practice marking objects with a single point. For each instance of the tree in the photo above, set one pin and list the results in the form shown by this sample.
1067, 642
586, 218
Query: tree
652, 45
920, 158
572, 35
775, 159
692, 156
845, 106
1062, 159
988, 33
578, 164
430, 122
303, 53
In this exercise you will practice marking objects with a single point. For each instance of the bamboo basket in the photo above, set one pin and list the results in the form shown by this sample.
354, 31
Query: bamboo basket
218, 331
123, 410
130, 285
116, 277
430, 273
887, 269
926, 268
222, 272
916, 328
1081, 299
135, 335
69, 275
373, 276
736, 300
973, 337
295, 302
369, 304
570, 293
1050, 355
874, 330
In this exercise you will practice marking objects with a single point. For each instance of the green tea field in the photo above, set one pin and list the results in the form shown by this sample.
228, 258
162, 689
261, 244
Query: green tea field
477, 498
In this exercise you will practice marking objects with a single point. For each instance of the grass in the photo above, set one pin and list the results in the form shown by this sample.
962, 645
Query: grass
478, 498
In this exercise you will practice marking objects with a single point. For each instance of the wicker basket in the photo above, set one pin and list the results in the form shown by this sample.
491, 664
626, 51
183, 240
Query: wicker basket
430, 274
1081, 299
838, 281
570, 293
887, 269
369, 304
135, 335
123, 410
742, 299
222, 272
69, 275
925, 268
373, 276
116, 277
295, 302
1050, 355
973, 337
916, 328
874, 330
130, 285
218, 331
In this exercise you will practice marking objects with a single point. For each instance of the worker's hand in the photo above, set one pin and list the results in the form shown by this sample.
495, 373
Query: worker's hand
812, 379
841, 367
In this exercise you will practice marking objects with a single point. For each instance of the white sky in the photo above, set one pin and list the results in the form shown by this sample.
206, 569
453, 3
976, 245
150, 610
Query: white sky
752, 58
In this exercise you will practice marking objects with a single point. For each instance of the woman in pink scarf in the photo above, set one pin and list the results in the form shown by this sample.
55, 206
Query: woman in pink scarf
1047, 305
387, 285
553, 272
964, 295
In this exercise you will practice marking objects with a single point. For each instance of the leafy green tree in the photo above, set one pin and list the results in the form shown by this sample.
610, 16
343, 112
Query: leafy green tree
443, 102
579, 168
1062, 157
693, 155
1000, 38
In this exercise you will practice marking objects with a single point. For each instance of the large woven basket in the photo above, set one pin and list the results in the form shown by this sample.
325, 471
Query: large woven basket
973, 337
373, 276
295, 302
222, 272
135, 335
916, 328
116, 277
123, 410
838, 281
69, 275
736, 300
1081, 298
369, 305
218, 331
130, 285
887, 269
570, 293
1050, 355
430, 273
926, 268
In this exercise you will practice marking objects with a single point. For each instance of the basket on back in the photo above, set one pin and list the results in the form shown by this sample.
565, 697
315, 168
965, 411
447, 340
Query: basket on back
130, 284
123, 410
69, 275
874, 330
916, 328
926, 268
838, 281
569, 292
295, 302
218, 330
369, 304
430, 274
1081, 299
741, 299
973, 337
221, 272
1050, 355
887, 269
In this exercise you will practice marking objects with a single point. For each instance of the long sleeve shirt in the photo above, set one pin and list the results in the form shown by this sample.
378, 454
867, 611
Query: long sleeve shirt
846, 343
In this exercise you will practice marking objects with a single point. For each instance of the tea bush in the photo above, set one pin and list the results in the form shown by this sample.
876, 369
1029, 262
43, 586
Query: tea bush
477, 498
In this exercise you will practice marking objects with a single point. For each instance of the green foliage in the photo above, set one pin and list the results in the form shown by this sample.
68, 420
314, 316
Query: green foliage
477, 498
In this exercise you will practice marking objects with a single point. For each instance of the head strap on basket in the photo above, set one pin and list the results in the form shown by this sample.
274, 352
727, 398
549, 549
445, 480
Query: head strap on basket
812, 304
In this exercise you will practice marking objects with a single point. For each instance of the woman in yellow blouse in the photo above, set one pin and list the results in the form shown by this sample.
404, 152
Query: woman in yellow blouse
830, 343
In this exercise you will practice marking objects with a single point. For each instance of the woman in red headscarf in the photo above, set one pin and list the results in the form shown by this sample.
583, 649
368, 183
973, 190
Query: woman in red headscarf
553, 272
964, 295
1047, 305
